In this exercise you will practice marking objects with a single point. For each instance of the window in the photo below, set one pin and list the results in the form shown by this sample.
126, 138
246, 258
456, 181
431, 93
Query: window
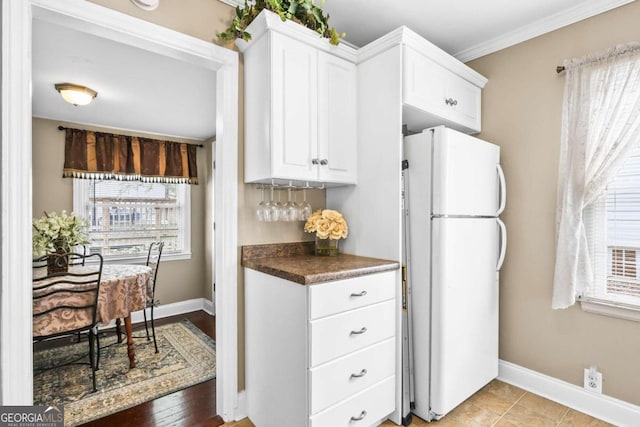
614, 234
598, 213
125, 216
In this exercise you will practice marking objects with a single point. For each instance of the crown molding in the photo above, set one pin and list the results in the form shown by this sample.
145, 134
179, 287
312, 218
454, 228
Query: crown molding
551, 23
233, 3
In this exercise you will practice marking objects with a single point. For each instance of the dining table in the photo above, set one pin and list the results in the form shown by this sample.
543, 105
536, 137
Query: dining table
124, 289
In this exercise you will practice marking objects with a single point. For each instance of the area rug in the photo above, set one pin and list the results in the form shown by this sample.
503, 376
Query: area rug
186, 357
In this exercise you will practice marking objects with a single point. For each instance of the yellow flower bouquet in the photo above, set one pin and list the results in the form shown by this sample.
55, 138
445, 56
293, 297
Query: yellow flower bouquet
329, 226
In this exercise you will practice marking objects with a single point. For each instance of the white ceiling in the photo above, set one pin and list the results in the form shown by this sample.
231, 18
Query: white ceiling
147, 92
466, 29
137, 90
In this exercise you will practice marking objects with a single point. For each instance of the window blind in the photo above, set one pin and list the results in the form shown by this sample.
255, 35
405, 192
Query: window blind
623, 228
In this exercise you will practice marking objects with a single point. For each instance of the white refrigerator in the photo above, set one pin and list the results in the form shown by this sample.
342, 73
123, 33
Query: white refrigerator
455, 245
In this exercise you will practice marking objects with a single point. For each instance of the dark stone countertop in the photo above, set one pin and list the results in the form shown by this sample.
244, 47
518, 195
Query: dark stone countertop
297, 263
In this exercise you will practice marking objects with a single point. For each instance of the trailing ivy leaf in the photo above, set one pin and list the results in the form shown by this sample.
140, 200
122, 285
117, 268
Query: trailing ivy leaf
334, 38
304, 12
292, 8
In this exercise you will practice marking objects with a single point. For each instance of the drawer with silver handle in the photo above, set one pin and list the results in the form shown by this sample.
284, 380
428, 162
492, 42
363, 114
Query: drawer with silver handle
336, 380
326, 299
338, 335
364, 409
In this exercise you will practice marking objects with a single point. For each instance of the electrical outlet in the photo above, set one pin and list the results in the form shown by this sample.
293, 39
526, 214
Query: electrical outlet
593, 380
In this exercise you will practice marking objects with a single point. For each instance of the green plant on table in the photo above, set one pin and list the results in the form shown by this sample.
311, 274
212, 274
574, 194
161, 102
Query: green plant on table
55, 231
303, 12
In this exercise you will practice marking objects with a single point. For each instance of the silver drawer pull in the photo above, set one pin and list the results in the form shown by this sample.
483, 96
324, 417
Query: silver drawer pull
360, 418
361, 331
359, 294
360, 375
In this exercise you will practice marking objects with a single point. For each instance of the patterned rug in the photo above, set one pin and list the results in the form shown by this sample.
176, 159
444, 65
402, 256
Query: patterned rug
186, 357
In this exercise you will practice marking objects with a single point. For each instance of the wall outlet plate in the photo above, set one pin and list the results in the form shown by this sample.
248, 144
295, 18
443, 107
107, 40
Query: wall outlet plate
593, 380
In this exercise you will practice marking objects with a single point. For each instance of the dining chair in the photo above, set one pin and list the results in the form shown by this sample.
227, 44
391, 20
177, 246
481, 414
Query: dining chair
153, 260
65, 303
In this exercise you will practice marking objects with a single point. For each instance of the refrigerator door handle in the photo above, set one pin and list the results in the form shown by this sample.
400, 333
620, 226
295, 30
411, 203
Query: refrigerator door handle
503, 190
503, 243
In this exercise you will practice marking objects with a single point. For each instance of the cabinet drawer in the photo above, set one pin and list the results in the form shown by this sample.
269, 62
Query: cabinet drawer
343, 295
343, 333
337, 380
362, 410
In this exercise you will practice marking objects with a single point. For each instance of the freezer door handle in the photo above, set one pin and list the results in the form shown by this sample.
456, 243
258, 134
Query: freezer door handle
503, 244
503, 190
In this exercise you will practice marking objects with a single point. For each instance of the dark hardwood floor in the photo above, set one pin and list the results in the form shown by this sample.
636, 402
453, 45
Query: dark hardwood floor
191, 407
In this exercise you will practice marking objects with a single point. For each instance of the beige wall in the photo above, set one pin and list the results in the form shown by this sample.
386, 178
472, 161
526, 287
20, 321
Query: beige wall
522, 106
203, 19
177, 280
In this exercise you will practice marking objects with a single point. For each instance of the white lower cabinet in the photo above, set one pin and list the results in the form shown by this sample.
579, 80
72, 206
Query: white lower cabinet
364, 408
311, 363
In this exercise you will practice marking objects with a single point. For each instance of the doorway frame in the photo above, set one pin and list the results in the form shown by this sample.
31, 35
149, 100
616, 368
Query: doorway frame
16, 352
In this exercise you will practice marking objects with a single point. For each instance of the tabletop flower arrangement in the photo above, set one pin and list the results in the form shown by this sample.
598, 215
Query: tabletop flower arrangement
329, 226
55, 233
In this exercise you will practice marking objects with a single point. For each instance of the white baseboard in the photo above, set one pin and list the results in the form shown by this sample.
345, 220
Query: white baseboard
241, 411
609, 409
173, 309
209, 307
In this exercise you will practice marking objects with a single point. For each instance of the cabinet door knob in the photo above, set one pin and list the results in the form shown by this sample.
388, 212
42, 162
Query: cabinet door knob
324, 162
314, 161
359, 294
359, 375
360, 417
451, 101
361, 331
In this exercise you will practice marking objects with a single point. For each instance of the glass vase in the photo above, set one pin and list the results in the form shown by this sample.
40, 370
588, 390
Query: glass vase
58, 262
326, 247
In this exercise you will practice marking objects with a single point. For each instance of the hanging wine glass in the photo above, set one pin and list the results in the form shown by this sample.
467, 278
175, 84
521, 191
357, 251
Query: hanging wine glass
291, 208
271, 213
260, 210
304, 207
282, 211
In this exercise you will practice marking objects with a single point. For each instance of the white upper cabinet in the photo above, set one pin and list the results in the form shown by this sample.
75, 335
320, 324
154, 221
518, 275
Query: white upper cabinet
437, 89
294, 91
300, 105
431, 88
336, 119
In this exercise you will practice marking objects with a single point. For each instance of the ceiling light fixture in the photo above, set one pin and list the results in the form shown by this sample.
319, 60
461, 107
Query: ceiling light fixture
146, 4
76, 94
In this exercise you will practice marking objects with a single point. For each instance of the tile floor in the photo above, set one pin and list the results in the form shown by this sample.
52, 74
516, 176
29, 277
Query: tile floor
502, 405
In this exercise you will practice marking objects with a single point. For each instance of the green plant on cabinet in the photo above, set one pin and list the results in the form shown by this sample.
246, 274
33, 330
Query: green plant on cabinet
304, 12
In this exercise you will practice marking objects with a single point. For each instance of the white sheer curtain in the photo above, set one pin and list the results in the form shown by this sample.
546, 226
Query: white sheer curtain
600, 127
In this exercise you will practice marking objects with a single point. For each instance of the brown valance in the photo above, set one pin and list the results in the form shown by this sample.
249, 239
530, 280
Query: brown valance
99, 155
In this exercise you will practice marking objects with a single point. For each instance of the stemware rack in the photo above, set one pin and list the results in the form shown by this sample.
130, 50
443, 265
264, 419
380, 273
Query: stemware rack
289, 186
289, 211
